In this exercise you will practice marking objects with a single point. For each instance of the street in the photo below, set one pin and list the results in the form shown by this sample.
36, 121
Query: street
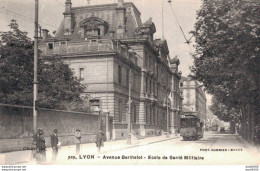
213, 148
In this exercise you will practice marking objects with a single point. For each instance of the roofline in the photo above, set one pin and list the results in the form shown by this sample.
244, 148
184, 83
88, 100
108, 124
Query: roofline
114, 5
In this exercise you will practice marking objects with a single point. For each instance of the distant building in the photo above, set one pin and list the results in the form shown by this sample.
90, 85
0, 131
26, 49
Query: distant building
176, 95
194, 98
107, 46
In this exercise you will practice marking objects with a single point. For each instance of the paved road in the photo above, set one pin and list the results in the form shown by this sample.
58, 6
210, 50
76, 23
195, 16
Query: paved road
212, 149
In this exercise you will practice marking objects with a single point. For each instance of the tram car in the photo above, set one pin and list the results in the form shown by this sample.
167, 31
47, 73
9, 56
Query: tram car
214, 128
191, 127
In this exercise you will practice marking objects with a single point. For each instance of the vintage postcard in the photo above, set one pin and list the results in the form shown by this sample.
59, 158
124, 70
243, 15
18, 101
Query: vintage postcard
129, 82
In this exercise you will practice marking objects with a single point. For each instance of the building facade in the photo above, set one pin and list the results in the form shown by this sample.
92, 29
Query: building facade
194, 98
175, 95
116, 56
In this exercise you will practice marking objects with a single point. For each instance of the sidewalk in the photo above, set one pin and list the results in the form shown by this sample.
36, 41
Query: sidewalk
250, 146
25, 157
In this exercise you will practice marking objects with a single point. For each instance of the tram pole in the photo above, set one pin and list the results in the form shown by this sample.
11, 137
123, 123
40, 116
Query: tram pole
35, 79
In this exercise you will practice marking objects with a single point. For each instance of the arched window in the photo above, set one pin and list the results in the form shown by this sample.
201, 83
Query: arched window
93, 27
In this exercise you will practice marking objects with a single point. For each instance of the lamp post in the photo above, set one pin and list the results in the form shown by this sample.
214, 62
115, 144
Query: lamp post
35, 80
129, 111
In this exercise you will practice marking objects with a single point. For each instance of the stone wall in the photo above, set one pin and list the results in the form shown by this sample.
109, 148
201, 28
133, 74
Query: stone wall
16, 129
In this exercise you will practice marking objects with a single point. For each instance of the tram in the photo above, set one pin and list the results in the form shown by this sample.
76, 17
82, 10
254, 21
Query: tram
191, 127
214, 127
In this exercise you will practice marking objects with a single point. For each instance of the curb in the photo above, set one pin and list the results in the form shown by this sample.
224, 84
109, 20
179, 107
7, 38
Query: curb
142, 144
139, 144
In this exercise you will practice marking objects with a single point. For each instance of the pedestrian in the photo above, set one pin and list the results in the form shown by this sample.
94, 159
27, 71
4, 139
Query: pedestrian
100, 139
54, 144
78, 140
40, 148
257, 137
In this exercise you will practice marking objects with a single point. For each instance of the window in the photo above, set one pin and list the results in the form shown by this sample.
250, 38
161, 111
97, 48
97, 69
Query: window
94, 104
63, 45
146, 115
157, 71
93, 32
134, 114
146, 85
150, 87
134, 80
127, 78
154, 89
119, 111
50, 45
156, 117
146, 61
181, 84
119, 74
151, 115
81, 73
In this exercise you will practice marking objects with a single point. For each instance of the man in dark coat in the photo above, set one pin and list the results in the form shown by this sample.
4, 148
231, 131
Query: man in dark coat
257, 137
100, 140
78, 140
40, 148
54, 144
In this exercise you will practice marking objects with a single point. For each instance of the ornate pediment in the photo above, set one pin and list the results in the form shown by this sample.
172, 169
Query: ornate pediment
93, 23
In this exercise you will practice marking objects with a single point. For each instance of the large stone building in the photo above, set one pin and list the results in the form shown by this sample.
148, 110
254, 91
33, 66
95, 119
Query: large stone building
175, 96
194, 97
108, 46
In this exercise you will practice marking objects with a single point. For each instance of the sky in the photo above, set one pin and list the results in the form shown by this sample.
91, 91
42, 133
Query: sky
50, 16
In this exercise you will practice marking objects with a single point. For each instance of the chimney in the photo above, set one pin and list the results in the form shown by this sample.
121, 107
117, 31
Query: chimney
68, 18
120, 3
121, 20
68, 5
174, 63
45, 33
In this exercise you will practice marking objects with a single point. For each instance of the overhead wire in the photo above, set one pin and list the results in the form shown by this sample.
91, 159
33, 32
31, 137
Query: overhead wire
188, 41
60, 3
25, 17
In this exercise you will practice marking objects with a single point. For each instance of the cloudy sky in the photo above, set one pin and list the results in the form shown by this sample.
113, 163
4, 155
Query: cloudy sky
50, 16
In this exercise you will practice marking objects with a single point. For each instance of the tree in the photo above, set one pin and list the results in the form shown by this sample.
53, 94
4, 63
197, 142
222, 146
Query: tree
58, 87
224, 113
227, 54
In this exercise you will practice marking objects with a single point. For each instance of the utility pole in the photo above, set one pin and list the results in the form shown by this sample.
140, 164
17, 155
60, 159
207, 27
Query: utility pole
129, 111
35, 80
162, 21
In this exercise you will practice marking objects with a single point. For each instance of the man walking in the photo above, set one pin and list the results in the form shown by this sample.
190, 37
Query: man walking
100, 140
54, 144
40, 148
78, 141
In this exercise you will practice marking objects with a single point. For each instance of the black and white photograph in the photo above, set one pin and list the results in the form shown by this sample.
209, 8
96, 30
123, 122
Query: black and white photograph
130, 83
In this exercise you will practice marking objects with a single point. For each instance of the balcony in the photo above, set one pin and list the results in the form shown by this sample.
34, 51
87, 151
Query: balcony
86, 47
78, 47
150, 97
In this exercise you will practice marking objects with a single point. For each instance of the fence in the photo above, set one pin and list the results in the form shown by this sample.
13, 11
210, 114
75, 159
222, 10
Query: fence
16, 130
